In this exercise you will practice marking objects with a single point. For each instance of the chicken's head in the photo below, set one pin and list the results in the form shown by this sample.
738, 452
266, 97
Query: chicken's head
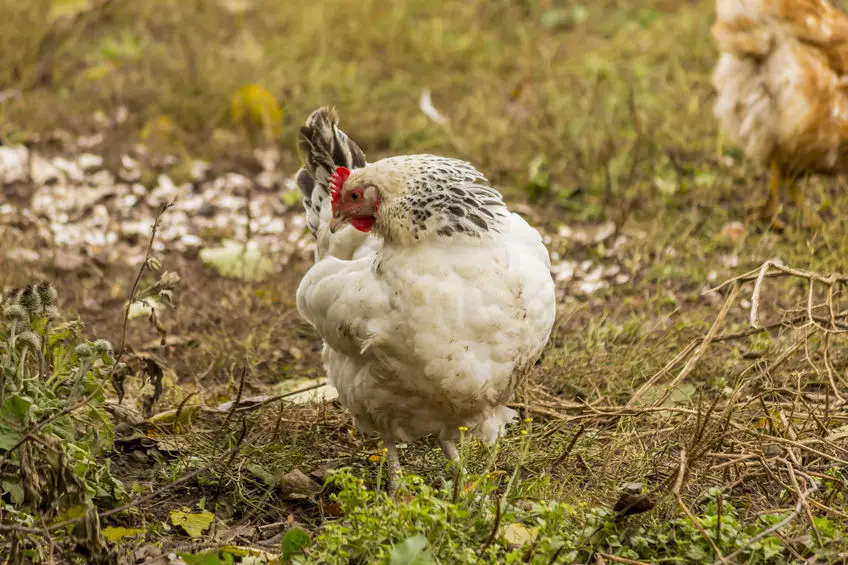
407, 198
354, 200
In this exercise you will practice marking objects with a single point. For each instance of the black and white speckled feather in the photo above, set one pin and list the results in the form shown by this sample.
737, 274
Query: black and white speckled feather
323, 147
458, 209
429, 196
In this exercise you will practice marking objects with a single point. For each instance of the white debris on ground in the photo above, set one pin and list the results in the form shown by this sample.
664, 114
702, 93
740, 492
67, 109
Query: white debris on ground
81, 209
587, 276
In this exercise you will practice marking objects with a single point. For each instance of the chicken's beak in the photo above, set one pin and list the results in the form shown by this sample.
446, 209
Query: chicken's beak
336, 222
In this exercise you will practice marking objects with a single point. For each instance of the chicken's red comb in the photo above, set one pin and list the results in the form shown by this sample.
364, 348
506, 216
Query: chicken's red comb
337, 181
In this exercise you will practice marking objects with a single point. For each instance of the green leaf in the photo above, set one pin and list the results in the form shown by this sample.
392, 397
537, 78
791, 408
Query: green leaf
696, 553
114, 534
15, 490
772, 547
16, 409
232, 260
824, 526
539, 182
65, 331
412, 551
73, 513
8, 437
294, 541
193, 524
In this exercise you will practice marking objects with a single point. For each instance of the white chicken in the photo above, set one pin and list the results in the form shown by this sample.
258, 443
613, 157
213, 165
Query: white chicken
432, 298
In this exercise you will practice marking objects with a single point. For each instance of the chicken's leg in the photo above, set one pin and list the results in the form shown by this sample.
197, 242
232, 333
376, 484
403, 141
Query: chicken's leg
449, 449
393, 465
768, 210
809, 217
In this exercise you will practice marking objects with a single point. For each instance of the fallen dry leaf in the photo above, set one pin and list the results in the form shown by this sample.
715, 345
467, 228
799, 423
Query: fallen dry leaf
297, 486
518, 534
194, 524
733, 231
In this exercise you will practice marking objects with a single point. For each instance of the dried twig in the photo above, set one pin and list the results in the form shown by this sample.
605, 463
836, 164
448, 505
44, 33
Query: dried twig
802, 498
134, 290
693, 360
569, 447
277, 397
782, 271
681, 477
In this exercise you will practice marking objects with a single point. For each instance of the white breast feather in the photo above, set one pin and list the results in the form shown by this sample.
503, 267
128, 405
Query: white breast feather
421, 340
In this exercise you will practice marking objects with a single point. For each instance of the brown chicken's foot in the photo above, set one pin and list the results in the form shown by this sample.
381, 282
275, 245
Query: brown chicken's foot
809, 217
764, 211
393, 468
772, 223
769, 210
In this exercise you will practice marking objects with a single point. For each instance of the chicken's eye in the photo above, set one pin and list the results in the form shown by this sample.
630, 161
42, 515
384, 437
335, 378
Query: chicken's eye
354, 196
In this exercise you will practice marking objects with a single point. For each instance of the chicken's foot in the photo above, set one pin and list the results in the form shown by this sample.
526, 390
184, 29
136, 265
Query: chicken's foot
769, 209
809, 217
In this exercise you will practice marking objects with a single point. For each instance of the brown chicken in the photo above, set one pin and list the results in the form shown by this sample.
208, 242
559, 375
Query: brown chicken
783, 91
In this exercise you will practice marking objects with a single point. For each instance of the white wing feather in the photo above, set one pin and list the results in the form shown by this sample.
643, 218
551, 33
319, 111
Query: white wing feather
422, 340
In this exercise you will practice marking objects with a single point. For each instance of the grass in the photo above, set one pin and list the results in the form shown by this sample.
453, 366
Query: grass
581, 114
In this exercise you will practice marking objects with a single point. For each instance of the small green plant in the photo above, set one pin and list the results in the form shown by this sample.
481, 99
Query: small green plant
425, 525
538, 178
54, 429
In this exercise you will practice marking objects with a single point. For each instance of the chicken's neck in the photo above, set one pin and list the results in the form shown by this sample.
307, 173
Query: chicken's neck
465, 211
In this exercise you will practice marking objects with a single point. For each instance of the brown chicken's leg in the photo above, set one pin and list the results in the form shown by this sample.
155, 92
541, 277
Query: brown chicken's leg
809, 217
768, 210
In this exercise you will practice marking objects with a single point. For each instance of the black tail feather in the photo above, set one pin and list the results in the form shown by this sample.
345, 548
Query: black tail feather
323, 147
